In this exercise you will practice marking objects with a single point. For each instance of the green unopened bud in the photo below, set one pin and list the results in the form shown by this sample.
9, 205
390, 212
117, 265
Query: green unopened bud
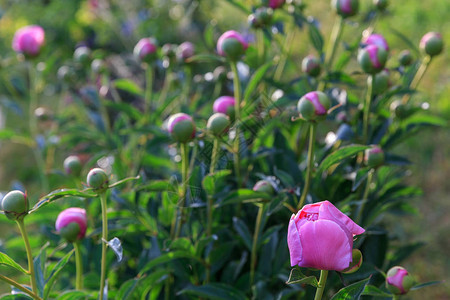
314, 106
380, 82
405, 58
15, 205
264, 186
356, 263
380, 4
401, 111
261, 18
72, 165
432, 43
82, 55
374, 156
97, 180
218, 124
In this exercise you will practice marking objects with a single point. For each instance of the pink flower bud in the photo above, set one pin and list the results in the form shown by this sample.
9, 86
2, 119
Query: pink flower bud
372, 59
232, 45
314, 106
29, 40
320, 236
311, 65
145, 49
374, 156
15, 205
225, 105
274, 4
345, 8
377, 40
72, 223
181, 127
185, 50
432, 43
398, 280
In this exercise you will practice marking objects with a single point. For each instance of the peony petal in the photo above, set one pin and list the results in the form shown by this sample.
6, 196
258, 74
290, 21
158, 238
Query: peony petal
295, 247
324, 246
329, 212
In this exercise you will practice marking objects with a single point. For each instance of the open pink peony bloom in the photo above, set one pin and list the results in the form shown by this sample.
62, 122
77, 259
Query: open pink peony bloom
29, 40
72, 215
320, 236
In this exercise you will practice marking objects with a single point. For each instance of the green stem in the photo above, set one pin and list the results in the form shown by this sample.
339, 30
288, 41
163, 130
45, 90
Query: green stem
23, 231
367, 108
418, 77
284, 55
237, 114
255, 243
322, 282
19, 286
79, 266
365, 196
184, 179
166, 87
335, 36
261, 46
310, 158
214, 155
148, 89
187, 85
103, 201
395, 297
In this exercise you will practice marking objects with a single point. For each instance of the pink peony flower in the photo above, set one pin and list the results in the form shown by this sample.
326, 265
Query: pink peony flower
29, 40
320, 236
224, 104
69, 216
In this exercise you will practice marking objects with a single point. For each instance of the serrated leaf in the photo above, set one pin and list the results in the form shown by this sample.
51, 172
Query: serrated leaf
373, 291
339, 155
255, 80
216, 291
8, 261
296, 276
116, 246
351, 292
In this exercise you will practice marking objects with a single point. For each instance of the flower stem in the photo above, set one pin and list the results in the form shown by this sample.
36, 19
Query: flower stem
215, 151
23, 231
255, 243
367, 108
322, 282
148, 89
365, 196
237, 115
79, 266
103, 199
418, 77
184, 179
261, 46
395, 297
19, 286
310, 158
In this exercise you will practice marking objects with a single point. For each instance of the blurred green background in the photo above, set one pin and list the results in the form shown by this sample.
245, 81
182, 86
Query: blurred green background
67, 23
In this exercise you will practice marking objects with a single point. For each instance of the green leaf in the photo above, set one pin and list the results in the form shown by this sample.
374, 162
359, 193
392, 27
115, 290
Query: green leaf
340, 154
422, 285
425, 120
55, 272
126, 289
215, 291
209, 181
316, 37
39, 269
351, 292
58, 194
73, 295
126, 108
243, 232
255, 80
8, 261
205, 58
245, 195
124, 181
167, 257
128, 86
371, 290
297, 276
157, 186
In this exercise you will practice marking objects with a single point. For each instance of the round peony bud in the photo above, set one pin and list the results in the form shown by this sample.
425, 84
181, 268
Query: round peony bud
372, 59
72, 165
145, 50
71, 224
264, 186
218, 124
225, 105
432, 43
405, 58
374, 156
185, 50
311, 66
181, 127
345, 8
356, 263
29, 40
273, 4
380, 82
400, 110
314, 106
381, 5
232, 45
97, 180
82, 55
261, 17
399, 281
377, 40
15, 205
